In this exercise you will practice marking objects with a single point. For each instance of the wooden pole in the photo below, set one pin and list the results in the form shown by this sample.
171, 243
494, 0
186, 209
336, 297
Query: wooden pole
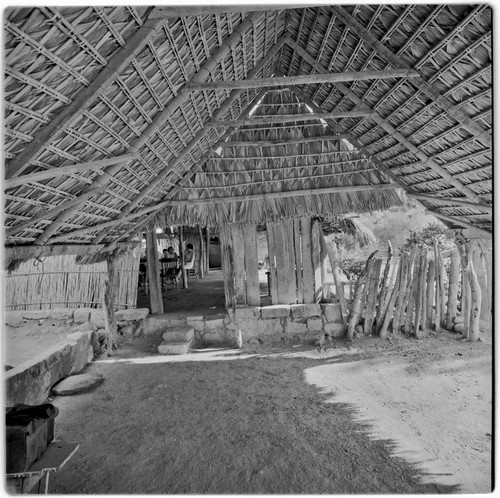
316, 261
382, 295
298, 261
331, 250
66, 170
480, 271
372, 296
431, 277
393, 292
274, 143
476, 296
273, 274
181, 258
251, 264
109, 305
453, 289
306, 79
357, 302
153, 268
201, 258
452, 201
307, 266
398, 307
409, 321
284, 119
442, 290
420, 307
207, 245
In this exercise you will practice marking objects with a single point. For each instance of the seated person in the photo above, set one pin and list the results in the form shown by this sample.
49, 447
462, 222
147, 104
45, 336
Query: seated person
169, 254
189, 254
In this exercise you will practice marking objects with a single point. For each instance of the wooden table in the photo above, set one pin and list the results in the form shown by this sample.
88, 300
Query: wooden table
52, 459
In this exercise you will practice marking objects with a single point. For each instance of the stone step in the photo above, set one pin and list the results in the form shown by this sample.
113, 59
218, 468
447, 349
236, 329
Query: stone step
178, 334
174, 347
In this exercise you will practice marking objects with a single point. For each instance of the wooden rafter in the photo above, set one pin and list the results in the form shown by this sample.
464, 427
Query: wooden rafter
307, 79
431, 91
392, 131
201, 134
285, 194
286, 118
159, 120
274, 143
66, 170
84, 98
200, 10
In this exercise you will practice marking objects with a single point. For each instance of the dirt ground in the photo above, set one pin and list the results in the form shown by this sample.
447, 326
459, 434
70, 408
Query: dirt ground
372, 416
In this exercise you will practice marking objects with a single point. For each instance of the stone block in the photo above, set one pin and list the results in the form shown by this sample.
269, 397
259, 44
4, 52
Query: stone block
128, 330
36, 314
331, 312
196, 318
157, 324
247, 313
334, 329
61, 313
458, 319
459, 327
198, 326
97, 318
30, 382
314, 324
212, 338
174, 347
217, 324
176, 322
14, 318
272, 327
178, 334
85, 326
276, 311
132, 315
81, 315
294, 328
305, 310
76, 384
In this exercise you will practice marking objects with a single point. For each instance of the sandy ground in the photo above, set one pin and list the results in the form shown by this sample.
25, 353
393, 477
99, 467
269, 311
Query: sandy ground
372, 416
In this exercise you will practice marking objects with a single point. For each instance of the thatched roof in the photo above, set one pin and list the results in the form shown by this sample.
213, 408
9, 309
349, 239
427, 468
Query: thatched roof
118, 92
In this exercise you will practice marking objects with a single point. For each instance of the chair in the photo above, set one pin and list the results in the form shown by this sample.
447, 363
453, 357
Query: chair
169, 272
189, 267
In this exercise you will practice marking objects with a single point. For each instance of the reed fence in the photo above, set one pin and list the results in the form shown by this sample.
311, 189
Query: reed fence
59, 282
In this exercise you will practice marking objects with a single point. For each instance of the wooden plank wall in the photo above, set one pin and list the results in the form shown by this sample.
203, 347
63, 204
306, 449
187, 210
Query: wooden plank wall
240, 264
295, 263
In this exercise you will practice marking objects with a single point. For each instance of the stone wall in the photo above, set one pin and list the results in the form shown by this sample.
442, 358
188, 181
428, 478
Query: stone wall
30, 382
252, 325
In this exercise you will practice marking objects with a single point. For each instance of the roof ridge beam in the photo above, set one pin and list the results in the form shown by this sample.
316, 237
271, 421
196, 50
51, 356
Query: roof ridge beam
200, 10
431, 91
306, 79
84, 98
392, 131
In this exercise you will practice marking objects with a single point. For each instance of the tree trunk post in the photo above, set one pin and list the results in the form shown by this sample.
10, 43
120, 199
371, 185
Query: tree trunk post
153, 269
109, 305
453, 289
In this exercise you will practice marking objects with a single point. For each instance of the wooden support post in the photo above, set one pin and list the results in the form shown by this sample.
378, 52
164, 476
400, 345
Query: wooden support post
185, 284
465, 301
298, 261
478, 261
273, 274
331, 250
316, 261
153, 268
207, 245
238, 251
227, 265
372, 296
201, 258
251, 264
442, 291
453, 289
437, 309
109, 305
475, 302
307, 266
431, 282
323, 255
